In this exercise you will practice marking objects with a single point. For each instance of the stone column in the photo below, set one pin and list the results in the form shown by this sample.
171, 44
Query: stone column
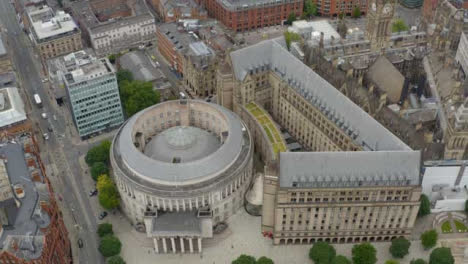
164, 244
190, 244
199, 245
173, 245
156, 246
182, 249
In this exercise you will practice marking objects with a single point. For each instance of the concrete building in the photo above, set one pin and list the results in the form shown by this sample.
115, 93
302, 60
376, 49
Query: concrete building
5, 61
93, 93
114, 35
323, 195
143, 69
456, 133
32, 229
445, 183
173, 10
182, 167
461, 56
12, 112
53, 33
248, 15
200, 64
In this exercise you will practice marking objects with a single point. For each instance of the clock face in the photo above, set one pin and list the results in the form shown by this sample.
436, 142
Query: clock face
387, 9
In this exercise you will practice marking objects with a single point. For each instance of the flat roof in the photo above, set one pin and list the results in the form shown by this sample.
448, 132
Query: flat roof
12, 110
345, 169
47, 24
3, 50
250, 4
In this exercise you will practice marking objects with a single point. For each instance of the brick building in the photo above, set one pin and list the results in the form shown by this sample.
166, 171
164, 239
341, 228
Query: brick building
108, 9
41, 237
173, 10
333, 8
246, 15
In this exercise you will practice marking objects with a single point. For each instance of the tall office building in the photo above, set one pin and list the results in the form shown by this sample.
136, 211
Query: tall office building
93, 93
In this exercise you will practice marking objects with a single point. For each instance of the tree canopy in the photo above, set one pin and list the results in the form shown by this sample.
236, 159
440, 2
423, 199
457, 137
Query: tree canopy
291, 37
340, 259
429, 239
310, 8
110, 246
356, 12
392, 261
97, 169
244, 259
425, 206
291, 18
108, 194
322, 253
400, 247
441, 255
364, 253
115, 260
104, 229
399, 25
112, 58
264, 260
99, 153
137, 95
124, 75
466, 206
418, 261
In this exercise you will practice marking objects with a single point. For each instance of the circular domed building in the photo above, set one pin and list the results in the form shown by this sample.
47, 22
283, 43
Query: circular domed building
181, 167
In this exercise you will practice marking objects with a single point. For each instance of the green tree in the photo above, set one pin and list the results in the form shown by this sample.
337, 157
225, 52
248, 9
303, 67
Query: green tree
110, 246
418, 261
310, 8
364, 253
425, 206
400, 247
99, 153
466, 206
429, 239
356, 12
290, 37
244, 259
392, 261
97, 169
441, 255
340, 259
124, 75
291, 18
399, 25
137, 95
104, 229
112, 58
264, 260
108, 194
341, 15
115, 260
322, 253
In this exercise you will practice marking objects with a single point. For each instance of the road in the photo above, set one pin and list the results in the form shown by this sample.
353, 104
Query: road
58, 151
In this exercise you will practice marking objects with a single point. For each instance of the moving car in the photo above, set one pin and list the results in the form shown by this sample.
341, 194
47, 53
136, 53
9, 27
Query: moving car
80, 243
102, 215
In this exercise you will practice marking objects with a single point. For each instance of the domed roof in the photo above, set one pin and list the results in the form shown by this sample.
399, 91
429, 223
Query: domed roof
181, 137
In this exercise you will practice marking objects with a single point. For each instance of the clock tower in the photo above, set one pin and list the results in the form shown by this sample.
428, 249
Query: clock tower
379, 22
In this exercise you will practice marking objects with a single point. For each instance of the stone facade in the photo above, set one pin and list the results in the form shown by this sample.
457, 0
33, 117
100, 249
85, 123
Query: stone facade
200, 71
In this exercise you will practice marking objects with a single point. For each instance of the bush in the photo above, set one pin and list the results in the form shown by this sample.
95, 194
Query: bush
441, 255
322, 253
425, 207
429, 239
264, 260
104, 229
110, 246
418, 261
244, 259
98, 169
391, 261
341, 260
115, 260
400, 247
364, 253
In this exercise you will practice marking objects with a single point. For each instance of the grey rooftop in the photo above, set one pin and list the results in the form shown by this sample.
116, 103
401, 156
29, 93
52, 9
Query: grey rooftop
272, 55
349, 169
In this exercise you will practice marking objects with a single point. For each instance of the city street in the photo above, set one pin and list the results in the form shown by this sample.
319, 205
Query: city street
58, 152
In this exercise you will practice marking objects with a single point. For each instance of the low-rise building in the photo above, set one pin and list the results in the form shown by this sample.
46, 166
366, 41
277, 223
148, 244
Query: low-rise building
93, 93
200, 69
32, 229
53, 33
143, 69
110, 9
5, 61
13, 117
173, 10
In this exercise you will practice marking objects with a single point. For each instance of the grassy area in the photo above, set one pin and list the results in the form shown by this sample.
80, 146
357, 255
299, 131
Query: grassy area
446, 227
267, 124
461, 227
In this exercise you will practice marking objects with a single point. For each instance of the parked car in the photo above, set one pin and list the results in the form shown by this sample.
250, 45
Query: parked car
50, 129
93, 192
80, 243
44, 115
102, 215
46, 136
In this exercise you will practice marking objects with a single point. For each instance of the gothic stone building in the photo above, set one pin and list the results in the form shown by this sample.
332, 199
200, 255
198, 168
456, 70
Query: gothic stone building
325, 194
